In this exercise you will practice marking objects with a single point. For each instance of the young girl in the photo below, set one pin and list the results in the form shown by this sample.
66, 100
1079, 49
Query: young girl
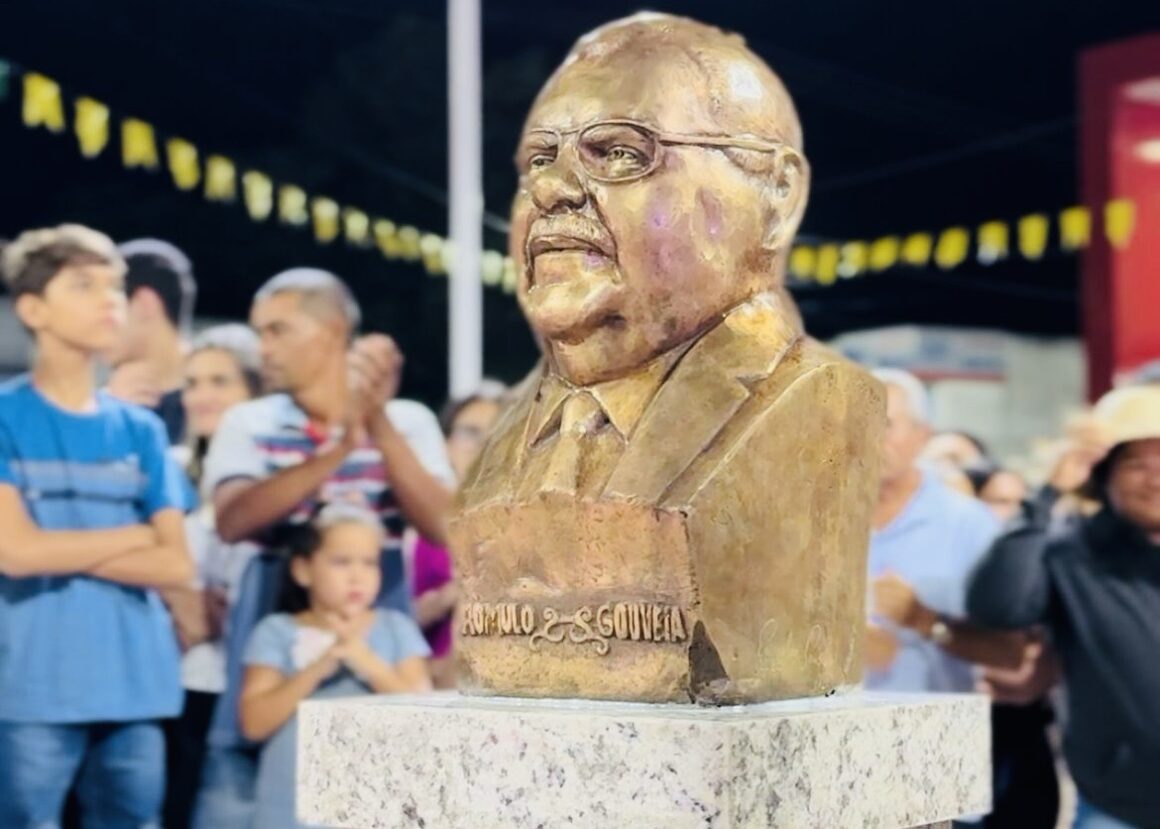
335, 643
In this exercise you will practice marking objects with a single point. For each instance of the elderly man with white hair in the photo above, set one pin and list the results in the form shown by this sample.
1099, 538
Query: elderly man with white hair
926, 540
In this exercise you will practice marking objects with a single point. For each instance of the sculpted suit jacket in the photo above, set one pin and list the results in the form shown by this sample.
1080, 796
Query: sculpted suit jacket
697, 533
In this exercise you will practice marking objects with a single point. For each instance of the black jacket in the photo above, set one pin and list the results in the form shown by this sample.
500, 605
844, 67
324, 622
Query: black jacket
1095, 584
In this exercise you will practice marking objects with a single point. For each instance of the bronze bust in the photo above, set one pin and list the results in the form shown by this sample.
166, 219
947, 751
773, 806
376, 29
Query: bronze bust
677, 505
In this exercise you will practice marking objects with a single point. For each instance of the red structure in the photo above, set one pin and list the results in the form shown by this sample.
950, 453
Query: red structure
1120, 158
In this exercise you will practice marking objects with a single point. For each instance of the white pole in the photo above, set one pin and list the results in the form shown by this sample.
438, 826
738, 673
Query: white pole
465, 297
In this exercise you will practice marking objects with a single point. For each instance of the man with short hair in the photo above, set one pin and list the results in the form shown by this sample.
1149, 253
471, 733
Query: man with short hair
925, 542
90, 525
149, 358
333, 432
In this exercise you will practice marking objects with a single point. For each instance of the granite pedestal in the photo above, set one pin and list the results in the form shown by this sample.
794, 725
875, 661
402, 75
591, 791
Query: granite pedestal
859, 760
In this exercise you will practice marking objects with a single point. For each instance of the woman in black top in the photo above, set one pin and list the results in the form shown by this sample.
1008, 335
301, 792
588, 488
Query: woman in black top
1094, 583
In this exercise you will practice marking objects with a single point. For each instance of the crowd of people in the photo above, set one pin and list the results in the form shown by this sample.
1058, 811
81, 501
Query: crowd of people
234, 522
1046, 599
173, 584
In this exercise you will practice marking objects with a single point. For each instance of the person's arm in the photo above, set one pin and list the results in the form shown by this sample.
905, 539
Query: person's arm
270, 698
245, 508
896, 600
997, 648
423, 499
187, 606
246, 499
433, 605
166, 564
414, 452
1010, 587
408, 675
26, 550
1028, 683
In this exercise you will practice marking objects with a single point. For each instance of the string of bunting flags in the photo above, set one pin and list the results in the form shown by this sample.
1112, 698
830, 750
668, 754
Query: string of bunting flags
221, 180
992, 241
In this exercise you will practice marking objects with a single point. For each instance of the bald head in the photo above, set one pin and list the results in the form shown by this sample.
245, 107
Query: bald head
694, 77
661, 185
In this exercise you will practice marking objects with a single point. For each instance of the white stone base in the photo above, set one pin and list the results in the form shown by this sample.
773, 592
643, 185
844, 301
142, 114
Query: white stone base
860, 760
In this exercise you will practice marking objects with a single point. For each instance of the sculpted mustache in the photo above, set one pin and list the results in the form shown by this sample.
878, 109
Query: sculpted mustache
550, 235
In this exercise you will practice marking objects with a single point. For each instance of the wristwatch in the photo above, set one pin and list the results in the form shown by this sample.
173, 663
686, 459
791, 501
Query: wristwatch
940, 633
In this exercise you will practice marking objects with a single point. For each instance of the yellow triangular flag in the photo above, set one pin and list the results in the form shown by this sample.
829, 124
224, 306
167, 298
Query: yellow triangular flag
827, 267
884, 253
138, 146
387, 238
324, 212
916, 249
431, 249
292, 205
510, 275
1120, 221
491, 267
91, 126
853, 259
953, 245
447, 256
183, 163
1033, 232
258, 195
356, 226
221, 179
409, 243
803, 261
994, 242
1075, 228
43, 106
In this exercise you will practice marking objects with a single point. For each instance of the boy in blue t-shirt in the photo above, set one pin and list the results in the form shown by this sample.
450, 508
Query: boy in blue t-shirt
90, 524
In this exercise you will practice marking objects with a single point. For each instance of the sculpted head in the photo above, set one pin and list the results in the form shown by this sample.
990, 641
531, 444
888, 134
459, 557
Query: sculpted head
661, 184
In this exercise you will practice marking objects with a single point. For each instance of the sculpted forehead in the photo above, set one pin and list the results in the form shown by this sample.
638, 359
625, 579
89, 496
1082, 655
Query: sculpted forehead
679, 75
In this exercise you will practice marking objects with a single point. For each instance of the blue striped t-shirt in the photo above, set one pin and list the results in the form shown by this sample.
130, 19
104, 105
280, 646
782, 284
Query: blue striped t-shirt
77, 649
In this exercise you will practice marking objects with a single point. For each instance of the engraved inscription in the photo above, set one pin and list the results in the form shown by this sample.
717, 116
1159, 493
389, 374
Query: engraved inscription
626, 621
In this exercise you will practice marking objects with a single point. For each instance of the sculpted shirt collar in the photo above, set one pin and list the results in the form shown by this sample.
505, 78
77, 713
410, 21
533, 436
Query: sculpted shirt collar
625, 399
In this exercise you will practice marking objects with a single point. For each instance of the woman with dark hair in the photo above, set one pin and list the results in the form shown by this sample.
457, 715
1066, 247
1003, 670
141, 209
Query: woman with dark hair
1002, 490
221, 370
1094, 583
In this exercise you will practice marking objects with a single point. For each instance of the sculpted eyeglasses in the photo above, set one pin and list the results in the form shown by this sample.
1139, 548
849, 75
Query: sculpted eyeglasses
620, 150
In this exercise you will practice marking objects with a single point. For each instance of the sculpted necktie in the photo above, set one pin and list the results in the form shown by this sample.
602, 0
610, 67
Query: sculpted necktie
580, 419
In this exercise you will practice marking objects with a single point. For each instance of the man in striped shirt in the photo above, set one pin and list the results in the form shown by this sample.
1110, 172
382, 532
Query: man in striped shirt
334, 431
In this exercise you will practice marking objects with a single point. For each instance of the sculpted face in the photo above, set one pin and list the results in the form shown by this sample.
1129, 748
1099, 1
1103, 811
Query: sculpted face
657, 192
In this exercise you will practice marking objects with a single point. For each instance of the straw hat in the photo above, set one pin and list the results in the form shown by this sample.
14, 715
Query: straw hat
1124, 415
1131, 413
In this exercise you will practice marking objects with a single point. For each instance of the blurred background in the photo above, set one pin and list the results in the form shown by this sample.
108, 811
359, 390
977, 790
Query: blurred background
954, 135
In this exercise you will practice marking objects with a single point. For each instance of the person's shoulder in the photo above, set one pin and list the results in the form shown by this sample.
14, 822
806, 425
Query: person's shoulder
405, 412
957, 507
134, 413
15, 391
261, 411
390, 619
809, 363
275, 625
277, 403
144, 423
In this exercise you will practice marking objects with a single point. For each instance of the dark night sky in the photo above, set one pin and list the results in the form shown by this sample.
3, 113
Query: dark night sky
917, 115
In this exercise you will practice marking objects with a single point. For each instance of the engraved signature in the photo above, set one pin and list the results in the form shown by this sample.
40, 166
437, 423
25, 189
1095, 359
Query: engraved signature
598, 627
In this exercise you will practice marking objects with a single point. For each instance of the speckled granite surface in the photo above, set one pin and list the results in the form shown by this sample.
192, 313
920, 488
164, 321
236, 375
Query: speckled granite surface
859, 760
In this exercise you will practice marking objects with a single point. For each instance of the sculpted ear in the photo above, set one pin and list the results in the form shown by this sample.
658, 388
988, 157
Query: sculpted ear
786, 197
